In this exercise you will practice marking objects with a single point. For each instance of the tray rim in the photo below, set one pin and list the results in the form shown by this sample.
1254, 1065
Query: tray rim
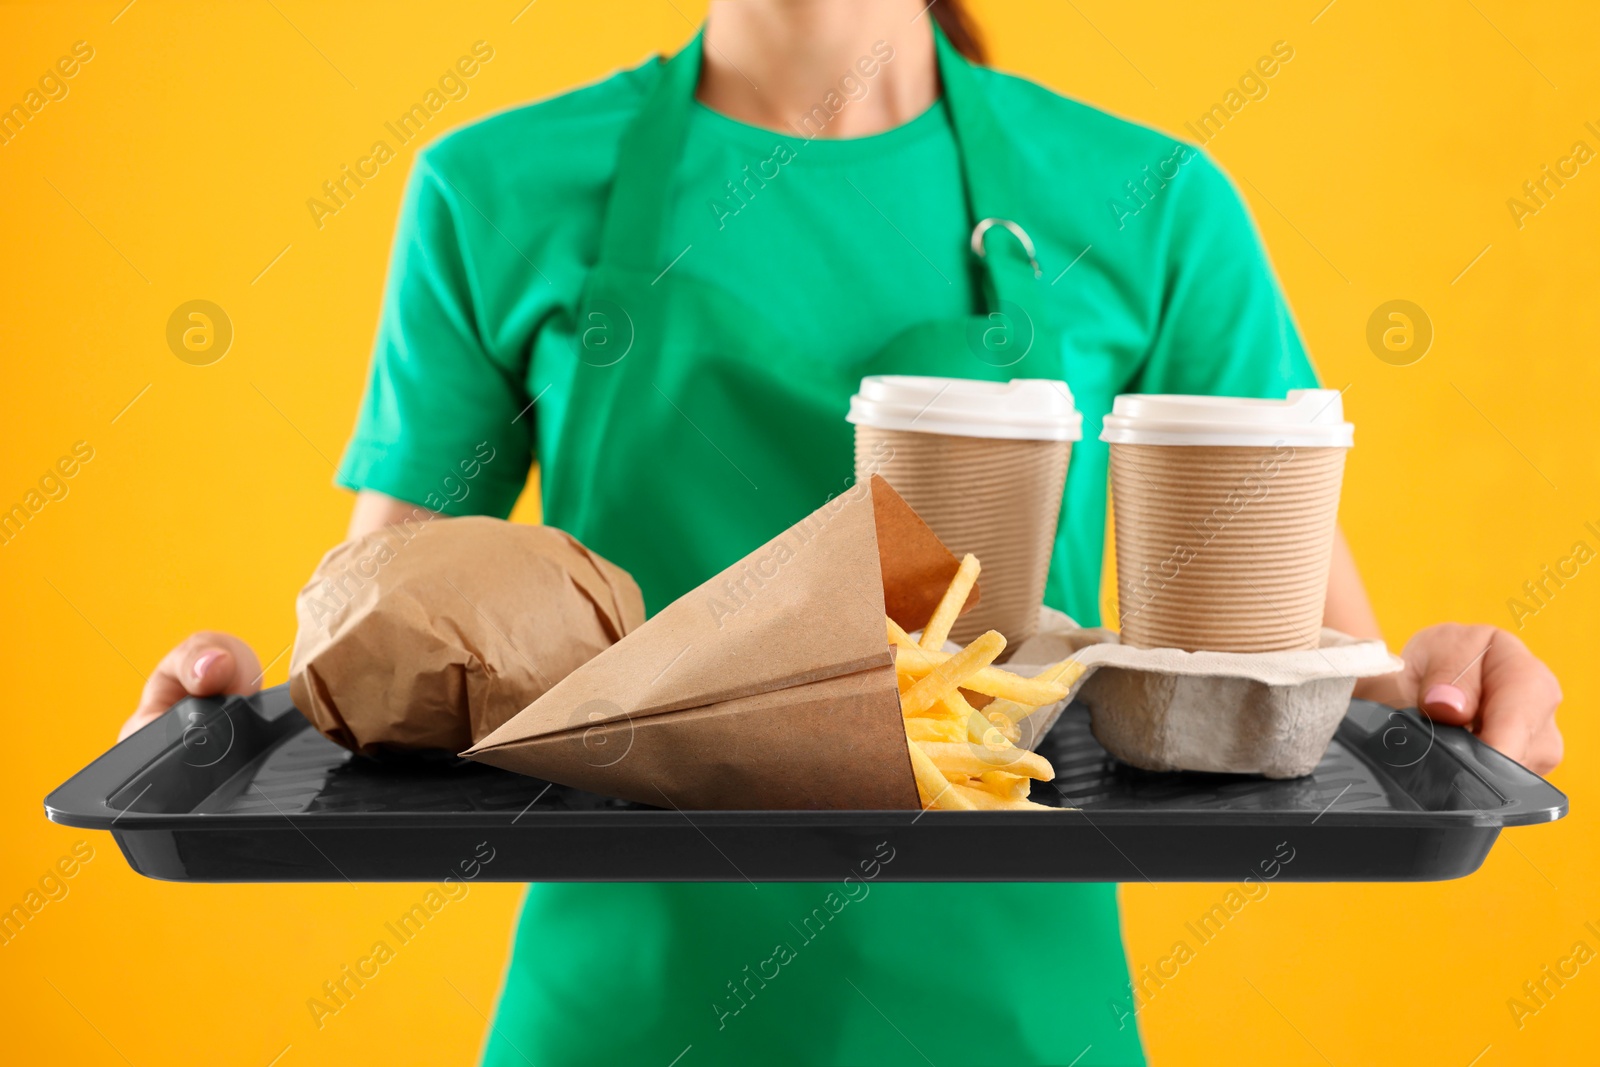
1530, 799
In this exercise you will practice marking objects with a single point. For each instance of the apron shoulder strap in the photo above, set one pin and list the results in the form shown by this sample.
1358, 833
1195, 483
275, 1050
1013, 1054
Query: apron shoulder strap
636, 207
1007, 266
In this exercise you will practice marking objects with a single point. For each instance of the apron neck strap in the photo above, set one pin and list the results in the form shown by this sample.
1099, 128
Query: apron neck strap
646, 157
653, 143
1006, 266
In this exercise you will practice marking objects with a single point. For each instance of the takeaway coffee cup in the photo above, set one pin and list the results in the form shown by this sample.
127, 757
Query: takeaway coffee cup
983, 463
1225, 510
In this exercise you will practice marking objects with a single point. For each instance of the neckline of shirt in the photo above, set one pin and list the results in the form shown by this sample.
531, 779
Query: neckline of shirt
934, 119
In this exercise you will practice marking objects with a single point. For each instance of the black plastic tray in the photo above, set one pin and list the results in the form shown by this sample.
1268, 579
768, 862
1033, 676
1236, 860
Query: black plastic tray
245, 790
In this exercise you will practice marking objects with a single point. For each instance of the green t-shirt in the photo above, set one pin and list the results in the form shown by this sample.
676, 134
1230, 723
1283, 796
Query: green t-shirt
1157, 282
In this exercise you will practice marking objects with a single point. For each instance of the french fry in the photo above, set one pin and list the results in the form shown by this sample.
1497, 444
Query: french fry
981, 799
999, 721
952, 673
905, 651
945, 713
1049, 686
964, 759
967, 759
1004, 784
935, 790
950, 605
972, 723
926, 776
898, 636
920, 729
993, 748
957, 705
1064, 673
991, 681
1008, 709
1003, 685
978, 726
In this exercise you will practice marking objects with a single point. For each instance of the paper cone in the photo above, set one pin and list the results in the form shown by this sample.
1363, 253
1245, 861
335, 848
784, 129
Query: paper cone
997, 499
769, 686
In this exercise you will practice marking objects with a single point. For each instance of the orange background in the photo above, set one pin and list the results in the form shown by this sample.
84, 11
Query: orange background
177, 167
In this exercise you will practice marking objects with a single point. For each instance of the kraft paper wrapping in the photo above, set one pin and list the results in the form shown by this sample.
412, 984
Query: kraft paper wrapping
431, 634
769, 686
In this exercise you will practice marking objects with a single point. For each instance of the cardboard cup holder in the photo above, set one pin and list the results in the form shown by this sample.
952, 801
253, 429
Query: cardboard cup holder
1163, 709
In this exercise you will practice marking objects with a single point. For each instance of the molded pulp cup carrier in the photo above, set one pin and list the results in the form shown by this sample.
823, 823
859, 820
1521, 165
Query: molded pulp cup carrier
1225, 515
983, 463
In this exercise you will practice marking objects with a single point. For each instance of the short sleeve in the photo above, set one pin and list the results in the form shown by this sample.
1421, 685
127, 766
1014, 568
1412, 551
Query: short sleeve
445, 422
1225, 328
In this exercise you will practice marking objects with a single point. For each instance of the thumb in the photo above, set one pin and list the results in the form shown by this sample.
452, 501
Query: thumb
206, 664
208, 671
1450, 682
210, 663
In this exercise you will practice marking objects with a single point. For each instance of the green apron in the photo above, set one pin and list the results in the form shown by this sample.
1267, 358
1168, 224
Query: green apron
687, 432
711, 414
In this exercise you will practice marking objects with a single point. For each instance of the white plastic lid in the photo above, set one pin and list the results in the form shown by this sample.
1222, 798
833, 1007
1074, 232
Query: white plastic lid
1023, 409
1309, 418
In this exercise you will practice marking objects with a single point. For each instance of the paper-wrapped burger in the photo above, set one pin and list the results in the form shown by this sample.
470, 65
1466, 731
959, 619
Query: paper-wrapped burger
431, 634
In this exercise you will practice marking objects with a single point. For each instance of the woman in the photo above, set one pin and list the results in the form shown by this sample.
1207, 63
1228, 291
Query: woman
668, 304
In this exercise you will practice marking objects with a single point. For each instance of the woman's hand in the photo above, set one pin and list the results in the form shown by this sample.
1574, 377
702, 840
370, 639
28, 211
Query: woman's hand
205, 664
209, 663
1483, 678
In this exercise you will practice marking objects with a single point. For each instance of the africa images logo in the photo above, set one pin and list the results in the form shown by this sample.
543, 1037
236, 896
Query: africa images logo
1002, 338
199, 332
607, 732
605, 333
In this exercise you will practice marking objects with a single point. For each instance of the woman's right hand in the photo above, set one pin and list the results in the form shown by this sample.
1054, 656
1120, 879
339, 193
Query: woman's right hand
205, 664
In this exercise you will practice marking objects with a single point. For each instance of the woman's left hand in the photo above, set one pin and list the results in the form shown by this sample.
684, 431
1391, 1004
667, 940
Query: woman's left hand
1485, 679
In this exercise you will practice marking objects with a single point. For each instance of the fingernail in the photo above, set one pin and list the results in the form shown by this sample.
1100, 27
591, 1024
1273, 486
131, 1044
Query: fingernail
206, 660
1447, 696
